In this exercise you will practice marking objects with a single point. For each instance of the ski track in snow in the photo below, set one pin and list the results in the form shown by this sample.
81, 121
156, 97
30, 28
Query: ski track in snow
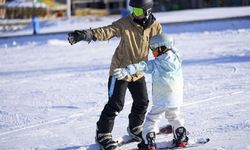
245, 124
79, 114
64, 118
212, 98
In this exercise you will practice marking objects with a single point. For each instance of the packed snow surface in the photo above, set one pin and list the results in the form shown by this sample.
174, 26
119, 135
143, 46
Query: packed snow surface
52, 93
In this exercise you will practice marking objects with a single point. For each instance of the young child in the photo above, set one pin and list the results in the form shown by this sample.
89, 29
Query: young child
167, 91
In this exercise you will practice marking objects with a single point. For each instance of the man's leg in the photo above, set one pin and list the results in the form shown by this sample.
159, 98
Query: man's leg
117, 91
139, 94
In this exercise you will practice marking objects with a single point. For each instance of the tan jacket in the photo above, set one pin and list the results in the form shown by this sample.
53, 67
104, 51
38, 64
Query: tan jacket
134, 44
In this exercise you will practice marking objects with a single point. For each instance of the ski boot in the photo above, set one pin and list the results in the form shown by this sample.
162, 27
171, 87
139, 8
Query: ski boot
151, 142
135, 133
180, 137
105, 141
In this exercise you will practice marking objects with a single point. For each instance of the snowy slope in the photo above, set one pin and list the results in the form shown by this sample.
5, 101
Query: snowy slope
51, 93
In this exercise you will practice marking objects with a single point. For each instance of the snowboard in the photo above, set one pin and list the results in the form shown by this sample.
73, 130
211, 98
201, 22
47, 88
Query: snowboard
126, 141
162, 141
191, 143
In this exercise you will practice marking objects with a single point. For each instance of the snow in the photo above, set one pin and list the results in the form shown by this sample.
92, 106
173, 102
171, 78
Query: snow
61, 25
52, 93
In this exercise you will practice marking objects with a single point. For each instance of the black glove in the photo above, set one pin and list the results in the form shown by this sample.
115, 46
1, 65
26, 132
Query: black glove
80, 35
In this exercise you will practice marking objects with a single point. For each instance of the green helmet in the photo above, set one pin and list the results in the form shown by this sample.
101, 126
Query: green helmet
161, 40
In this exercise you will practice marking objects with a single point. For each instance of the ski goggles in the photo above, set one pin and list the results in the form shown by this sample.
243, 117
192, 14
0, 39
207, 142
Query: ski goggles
159, 50
139, 11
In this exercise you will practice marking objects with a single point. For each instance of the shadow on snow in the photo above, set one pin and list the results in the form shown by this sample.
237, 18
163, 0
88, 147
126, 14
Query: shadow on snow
225, 59
55, 70
73, 69
207, 26
87, 147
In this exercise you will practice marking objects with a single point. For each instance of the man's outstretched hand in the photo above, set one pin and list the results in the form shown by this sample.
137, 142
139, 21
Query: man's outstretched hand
80, 35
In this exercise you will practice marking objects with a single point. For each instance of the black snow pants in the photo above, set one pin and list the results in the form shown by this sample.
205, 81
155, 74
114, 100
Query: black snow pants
117, 90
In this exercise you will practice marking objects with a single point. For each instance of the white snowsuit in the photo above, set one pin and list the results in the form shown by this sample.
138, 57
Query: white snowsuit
167, 90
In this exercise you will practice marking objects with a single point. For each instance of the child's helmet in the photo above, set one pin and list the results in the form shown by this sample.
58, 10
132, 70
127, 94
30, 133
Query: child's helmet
144, 4
161, 40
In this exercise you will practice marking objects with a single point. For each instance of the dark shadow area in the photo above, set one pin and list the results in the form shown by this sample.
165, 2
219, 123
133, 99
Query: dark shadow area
36, 72
89, 147
70, 148
65, 107
38, 39
207, 26
226, 59
75, 69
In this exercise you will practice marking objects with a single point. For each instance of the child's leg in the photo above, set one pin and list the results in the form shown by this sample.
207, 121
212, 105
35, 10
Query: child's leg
173, 117
152, 119
179, 131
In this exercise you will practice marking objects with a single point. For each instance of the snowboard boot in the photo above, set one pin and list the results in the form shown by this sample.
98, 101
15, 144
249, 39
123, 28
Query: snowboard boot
135, 133
180, 137
151, 142
105, 141
142, 146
